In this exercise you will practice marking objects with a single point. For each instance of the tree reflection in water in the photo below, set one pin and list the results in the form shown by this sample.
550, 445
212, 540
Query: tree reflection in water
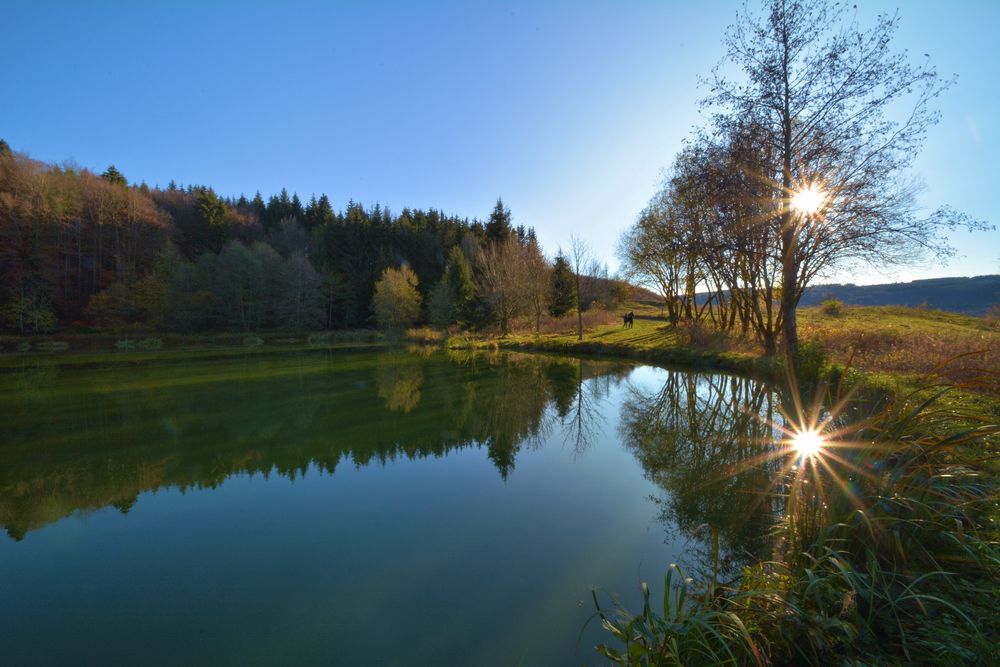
83, 439
710, 442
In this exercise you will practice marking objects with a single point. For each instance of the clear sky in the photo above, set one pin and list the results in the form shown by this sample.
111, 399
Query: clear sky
569, 110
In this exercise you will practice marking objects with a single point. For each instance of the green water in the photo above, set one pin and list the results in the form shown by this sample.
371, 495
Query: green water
356, 508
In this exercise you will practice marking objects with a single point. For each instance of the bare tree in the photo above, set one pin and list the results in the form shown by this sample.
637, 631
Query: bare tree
537, 277
843, 117
502, 281
657, 251
579, 256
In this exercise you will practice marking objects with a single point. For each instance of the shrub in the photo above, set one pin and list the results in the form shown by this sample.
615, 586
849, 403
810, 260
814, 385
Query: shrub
425, 335
53, 346
253, 341
324, 338
810, 361
701, 335
24, 346
125, 344
151, 344
993, 315
832, 307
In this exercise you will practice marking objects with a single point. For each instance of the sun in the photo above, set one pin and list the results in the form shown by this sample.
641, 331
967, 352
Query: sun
808, 200
808, 443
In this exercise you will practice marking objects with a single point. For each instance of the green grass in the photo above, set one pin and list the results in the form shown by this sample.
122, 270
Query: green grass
889, 349
649, 340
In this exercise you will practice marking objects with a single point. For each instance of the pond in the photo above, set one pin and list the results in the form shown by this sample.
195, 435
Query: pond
389, 507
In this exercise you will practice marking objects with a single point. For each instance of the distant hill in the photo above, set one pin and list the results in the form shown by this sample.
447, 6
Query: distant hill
972, 296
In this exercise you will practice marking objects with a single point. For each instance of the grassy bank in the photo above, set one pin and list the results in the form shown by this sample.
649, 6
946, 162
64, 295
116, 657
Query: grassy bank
650, 339
889, 349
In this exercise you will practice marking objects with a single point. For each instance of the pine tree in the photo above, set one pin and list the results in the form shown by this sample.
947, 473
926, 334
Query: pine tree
498, 228
112, 175
212, 216
458, 274
563, 287
324, 212
258, 207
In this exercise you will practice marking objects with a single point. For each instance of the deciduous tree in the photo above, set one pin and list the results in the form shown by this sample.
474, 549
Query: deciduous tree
397, 300
842, 115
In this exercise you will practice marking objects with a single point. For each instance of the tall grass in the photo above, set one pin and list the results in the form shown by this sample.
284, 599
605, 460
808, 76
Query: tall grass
887, 552
959, 348
568, 323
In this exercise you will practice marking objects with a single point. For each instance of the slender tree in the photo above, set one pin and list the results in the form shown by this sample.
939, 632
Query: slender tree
579, 254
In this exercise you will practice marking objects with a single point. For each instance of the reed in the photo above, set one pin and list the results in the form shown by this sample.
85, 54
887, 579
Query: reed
888, 552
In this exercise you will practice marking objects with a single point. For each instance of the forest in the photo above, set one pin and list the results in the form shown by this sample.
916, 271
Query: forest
93, 252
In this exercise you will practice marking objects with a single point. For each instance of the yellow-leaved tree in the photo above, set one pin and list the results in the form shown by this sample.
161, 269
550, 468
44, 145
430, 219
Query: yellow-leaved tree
397, 301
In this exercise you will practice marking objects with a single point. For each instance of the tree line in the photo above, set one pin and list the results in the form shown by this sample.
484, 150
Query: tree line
86, 250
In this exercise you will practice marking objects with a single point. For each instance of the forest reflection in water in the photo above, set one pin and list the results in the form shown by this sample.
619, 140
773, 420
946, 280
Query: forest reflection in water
79, 439
518, 481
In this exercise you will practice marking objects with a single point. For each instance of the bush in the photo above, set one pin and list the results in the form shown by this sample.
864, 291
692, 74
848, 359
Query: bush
993, 315
53, 346
324, 338
24, 346
832, 307
701, 335
151, 344
125, 345
425, 335
253, 341
810, 361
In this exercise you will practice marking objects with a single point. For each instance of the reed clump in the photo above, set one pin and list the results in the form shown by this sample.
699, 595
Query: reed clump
887, 553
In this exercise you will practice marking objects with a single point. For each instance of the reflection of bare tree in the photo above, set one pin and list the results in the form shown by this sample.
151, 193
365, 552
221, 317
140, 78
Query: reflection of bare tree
705, 440
399, 384
582, 420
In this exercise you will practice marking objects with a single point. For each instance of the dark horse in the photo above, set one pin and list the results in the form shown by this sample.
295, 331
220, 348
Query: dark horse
628, 319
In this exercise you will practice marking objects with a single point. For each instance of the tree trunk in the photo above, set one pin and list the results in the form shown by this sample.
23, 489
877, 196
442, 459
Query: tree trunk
579, 309
789, 289
789, 232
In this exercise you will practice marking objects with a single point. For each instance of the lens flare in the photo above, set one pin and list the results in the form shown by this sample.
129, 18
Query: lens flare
807, 443
808, 200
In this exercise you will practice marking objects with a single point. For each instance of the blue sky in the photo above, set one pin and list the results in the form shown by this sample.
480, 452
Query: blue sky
569, 110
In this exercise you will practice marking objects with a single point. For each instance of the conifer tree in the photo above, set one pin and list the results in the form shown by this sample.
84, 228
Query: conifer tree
563, 287
498, 227
112, 175
458, 274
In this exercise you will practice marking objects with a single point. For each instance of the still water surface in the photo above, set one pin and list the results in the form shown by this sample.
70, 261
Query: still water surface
357, 508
